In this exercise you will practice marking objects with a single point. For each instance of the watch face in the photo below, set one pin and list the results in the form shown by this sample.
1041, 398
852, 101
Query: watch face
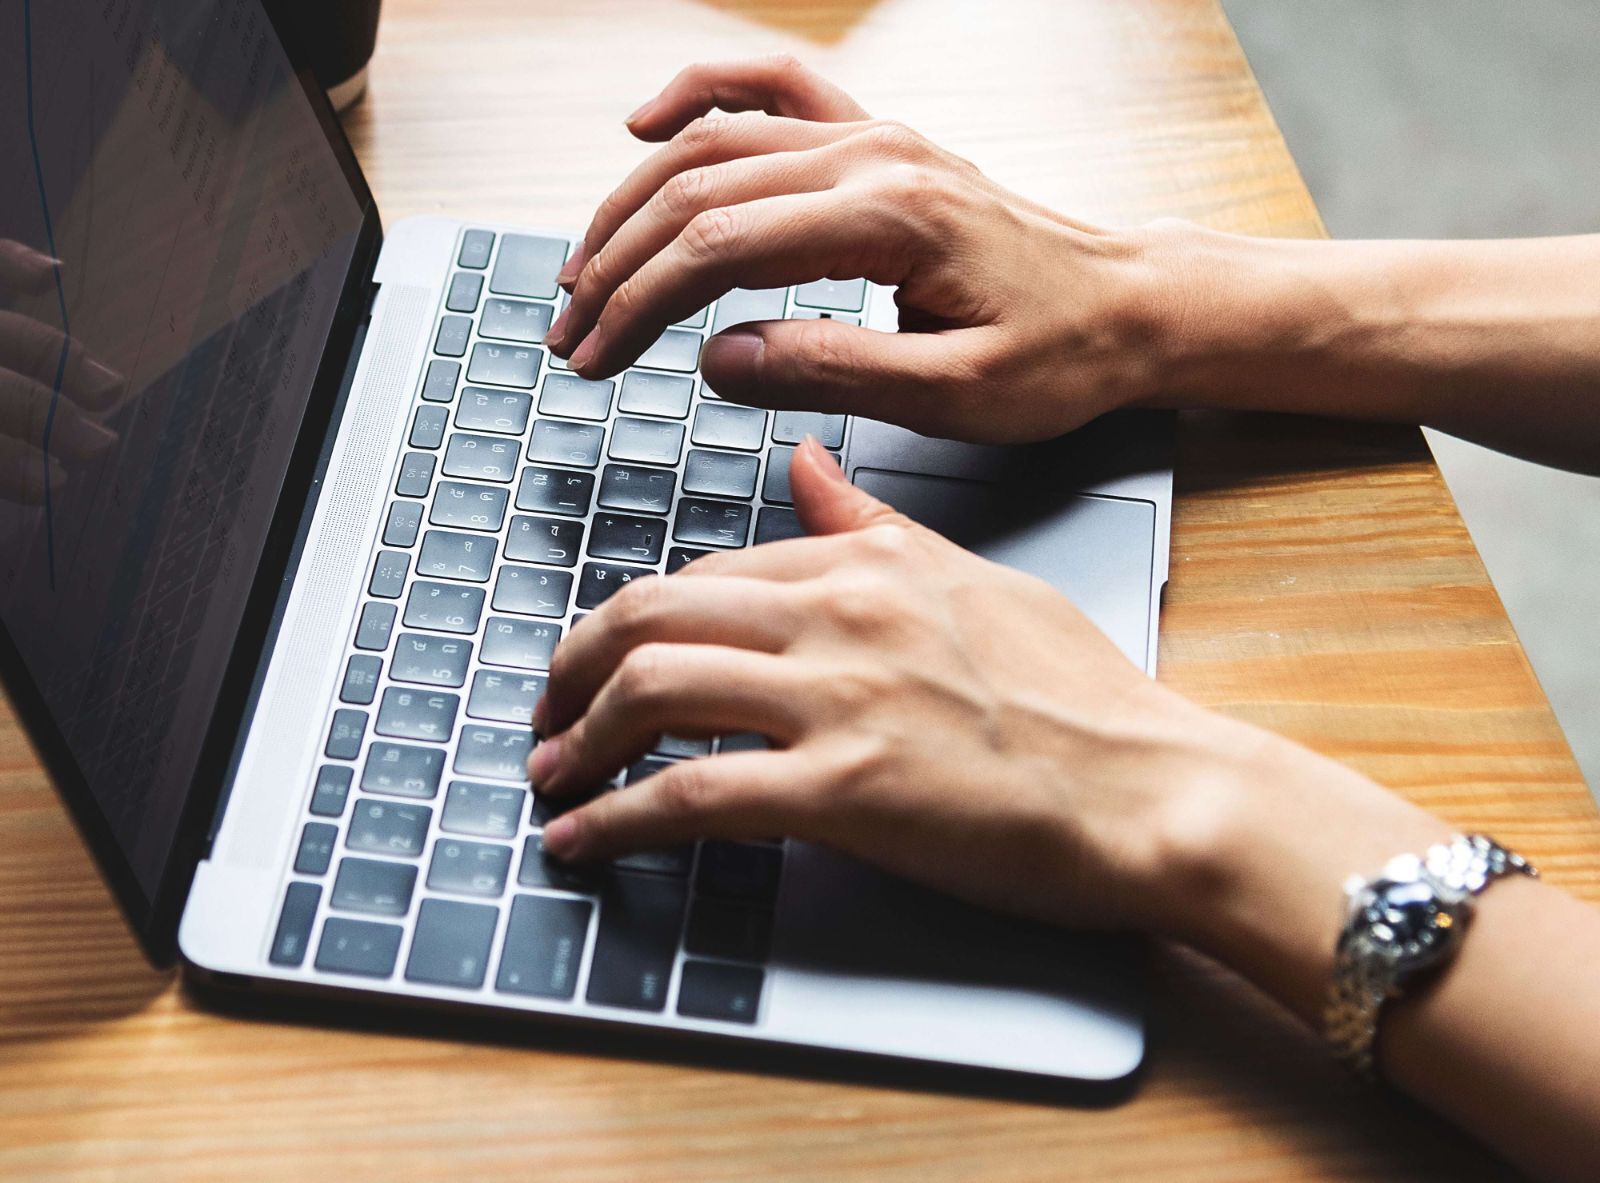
1407, 920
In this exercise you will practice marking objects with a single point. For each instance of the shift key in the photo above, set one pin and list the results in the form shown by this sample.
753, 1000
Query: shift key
641, 917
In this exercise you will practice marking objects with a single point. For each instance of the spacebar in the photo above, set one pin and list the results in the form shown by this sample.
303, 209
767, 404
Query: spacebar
640, 920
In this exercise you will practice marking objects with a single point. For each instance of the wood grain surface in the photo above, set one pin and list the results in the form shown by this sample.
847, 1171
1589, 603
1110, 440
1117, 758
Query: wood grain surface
1322, 585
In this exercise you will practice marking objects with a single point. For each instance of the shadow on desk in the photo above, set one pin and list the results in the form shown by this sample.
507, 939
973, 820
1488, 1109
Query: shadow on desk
1219, 450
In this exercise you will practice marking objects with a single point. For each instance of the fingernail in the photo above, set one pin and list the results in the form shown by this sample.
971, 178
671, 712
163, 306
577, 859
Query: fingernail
585, 352
80, 437
560, 834
569, 269
556, 331
541, 716
104, 379
830, 466
640, 113
545, 758
736, 348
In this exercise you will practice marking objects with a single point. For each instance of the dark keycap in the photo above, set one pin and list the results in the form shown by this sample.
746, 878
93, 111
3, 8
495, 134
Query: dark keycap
673, 350
481, 457
417, 714
451, 945
432, 661
718, 928
575, 397
405, 518
456, 556
494, 751
344, 736
527, 266
544, 946
383, 827
367, 885
521, 644
776, 486
389, 574
774, 525
316, 848
427, 428
658, 862
416, 475
655, 394
544, 540
621, 536
565, 443
743, 305
402, 770
360, 679
439, 383
555, 490
538, 869
731, 993
469, 868
711, 523
453, 334
640, 916
743, 741
515, 320
504, 365
377, 621
484, 811
848, 318
358, 947
472, 507
681, 747
600, 581
629, 487
646, 441
790, 427
331, 791
720, 474
475, 248
843, 295
446, 607
294, 924
532, 592
504, 698
642, 768
739, 871
679, 557
484, 409
722, 425
463, 293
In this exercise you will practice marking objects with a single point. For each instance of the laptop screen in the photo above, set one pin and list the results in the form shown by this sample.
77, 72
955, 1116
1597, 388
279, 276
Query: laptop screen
175, 233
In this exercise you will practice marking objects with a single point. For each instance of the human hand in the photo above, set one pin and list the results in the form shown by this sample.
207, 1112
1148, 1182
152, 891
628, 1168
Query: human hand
1016, 323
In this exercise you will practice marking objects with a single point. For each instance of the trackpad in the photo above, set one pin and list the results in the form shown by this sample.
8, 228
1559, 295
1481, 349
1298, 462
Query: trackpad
1097, 551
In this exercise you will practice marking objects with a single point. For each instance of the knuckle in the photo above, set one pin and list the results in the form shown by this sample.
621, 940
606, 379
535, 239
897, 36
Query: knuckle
886, 545
688, 192
634, 611
786, 66
710, 234
699, 134
825, 352
860, 604
893, 140
641, 678
683, 790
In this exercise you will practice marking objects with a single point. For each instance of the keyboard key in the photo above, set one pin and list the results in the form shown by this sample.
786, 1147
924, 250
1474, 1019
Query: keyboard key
416, 475
722, 425
442, 606
331, 791
451, 945
743, 741
389, 574
439, 383
566, 443
494, 752
383, 827
316, 848
504, 365
679, 557
469, 868
481, 457
575, 397
504, 698
640, 917
544, 943
697, 321
417, 714
429, 660
629, 487
360, 684
600, 581
464, 290
544, 540
402, 770
790, 427
427, 428
452, 337
405, 518
471, 507
658, 862
711, 523
848, 318
718, 928
555, 490
358, 947
532, 592
538, 869
774, 525
681, 747
720, 474
475, 248
505, 411
294, 924
842, 295
739, 871
776, 486
515, 320
344, 736
673, 350
484, 811
743, 305
372, 630
731, 993
456, 556
646, 767
367, 885
527, 266
646, 441
655, 394
521, 644
621, 536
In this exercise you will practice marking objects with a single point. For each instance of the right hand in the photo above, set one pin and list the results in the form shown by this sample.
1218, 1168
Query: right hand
1016, 323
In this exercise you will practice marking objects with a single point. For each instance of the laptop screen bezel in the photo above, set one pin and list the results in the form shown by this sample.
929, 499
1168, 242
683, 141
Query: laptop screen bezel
154, 916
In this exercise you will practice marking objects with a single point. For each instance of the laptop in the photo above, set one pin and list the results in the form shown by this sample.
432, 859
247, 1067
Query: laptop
278, 627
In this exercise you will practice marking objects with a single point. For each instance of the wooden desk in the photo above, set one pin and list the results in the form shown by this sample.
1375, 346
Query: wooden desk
1322, 585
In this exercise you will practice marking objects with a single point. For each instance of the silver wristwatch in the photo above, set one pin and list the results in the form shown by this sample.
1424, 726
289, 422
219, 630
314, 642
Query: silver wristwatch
1410, 919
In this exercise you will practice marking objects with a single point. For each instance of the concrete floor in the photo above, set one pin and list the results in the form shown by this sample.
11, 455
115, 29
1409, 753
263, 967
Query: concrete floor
1476, 119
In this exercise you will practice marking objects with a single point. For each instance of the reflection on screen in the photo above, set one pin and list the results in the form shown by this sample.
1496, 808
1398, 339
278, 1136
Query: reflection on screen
174, 235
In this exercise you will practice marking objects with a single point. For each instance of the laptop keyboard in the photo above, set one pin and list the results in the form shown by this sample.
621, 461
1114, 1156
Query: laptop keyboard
525, 497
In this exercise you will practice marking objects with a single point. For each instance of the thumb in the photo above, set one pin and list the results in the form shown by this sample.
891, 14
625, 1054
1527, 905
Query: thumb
828, 503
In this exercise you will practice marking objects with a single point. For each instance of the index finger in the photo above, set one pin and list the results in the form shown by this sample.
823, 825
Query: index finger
778, 85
